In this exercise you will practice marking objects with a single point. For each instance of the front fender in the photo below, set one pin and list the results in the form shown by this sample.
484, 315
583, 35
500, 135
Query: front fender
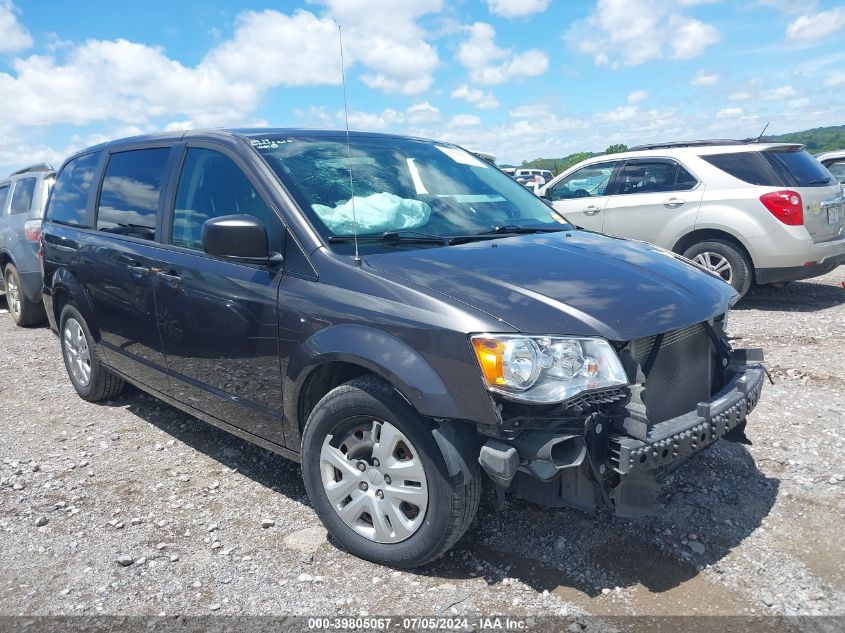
380, 353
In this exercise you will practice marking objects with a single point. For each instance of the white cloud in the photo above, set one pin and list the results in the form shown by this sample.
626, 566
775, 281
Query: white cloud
384, 36
787, 6
803, 102
516, 8
739, 96
835, 78
622, 113
632, 32
530, 111
637, 96
479, 98
490, 65
13, 37
374, 120
783, 92
729, 113
704, 79
119, 80
816, 26
464, 120
422, 112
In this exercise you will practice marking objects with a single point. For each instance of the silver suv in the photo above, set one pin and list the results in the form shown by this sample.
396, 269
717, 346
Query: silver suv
752, 212
23, 196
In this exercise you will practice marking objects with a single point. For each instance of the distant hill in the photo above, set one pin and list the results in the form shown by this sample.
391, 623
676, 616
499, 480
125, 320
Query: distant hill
817, 140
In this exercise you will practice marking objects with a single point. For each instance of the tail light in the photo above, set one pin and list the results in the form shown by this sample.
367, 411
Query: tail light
785, 205
32, 229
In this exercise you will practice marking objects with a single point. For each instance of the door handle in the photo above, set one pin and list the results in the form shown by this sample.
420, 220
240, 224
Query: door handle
139, 271
591, 210
170, 278
673, 203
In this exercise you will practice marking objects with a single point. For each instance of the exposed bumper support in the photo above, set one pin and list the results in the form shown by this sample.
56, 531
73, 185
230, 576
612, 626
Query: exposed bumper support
678, 438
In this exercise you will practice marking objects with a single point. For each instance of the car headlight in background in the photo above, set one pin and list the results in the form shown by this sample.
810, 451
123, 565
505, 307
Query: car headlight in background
546, 369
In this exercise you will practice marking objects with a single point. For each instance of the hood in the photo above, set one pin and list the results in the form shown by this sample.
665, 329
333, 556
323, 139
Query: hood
571, 282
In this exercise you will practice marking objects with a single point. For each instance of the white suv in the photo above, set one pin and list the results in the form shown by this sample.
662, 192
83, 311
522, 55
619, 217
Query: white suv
752, 212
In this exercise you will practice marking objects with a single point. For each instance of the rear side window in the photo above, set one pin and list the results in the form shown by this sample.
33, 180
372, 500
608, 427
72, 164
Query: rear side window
211, 186
4, 192
800, 167
773, 168
644, 177
131, 191
22, 195
69, 198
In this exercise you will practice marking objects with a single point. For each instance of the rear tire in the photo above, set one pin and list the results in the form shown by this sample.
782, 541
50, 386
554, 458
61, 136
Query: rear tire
349, 428
24, 312
725, 259
90, 377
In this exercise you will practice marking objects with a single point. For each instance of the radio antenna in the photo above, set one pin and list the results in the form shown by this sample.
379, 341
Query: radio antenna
357, 259
763, 132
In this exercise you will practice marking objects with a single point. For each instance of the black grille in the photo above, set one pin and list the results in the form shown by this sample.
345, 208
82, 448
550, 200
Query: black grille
681, 375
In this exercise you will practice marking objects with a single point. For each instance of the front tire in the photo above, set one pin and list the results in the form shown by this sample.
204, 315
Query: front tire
24, 312
378, 480
724, 259
89, 376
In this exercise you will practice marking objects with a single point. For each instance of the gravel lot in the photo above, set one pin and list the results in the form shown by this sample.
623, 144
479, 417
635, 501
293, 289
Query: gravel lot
132, 507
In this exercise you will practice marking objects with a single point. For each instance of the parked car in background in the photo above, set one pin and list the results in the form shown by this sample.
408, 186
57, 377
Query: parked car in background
751, 212
23, 196
835, 163
509, 171
441, 328
545, 174
532, 181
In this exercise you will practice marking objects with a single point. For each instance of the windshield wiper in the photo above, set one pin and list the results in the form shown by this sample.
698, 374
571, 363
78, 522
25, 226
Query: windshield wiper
521, 230
393, 236
820, 181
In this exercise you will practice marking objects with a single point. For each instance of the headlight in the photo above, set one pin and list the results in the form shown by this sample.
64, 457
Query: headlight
546, 369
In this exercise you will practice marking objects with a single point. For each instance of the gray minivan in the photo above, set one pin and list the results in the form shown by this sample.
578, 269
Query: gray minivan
23, 196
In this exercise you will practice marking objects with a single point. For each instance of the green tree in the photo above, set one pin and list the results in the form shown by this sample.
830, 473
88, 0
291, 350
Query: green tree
616, 148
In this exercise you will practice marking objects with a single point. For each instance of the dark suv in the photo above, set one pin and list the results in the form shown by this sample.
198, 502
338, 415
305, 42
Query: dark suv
397, 314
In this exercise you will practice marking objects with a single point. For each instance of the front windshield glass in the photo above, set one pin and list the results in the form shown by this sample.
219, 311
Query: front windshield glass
414, 188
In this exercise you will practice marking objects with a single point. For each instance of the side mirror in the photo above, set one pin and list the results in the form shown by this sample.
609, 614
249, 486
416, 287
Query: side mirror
238, 237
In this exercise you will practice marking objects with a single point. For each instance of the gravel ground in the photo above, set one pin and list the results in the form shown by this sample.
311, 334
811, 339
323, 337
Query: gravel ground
131, 507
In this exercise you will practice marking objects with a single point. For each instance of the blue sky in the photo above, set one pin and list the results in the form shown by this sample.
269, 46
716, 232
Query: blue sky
519, 78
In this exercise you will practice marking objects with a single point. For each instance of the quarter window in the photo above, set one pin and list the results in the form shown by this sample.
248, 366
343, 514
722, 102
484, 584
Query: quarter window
131, 190
69, 199
212, 185
22, 196
588, 182
684, 181
4, 192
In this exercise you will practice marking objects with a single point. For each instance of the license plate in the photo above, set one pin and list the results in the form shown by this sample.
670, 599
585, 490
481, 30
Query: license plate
833, 215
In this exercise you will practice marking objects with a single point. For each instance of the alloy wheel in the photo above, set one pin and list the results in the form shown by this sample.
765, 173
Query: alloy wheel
13, 296
77, 353
716, 263
374, 478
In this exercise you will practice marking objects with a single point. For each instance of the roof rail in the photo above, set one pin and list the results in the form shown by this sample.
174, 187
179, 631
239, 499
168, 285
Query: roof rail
33, 168
701, 143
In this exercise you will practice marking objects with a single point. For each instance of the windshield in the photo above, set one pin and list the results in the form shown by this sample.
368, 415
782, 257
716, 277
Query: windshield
400, 185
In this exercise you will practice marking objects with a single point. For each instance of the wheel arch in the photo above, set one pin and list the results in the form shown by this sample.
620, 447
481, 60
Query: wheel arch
66, 288
340, 353
705, 234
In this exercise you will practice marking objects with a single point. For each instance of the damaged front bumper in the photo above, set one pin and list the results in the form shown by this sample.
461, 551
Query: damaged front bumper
677, 439
606, 466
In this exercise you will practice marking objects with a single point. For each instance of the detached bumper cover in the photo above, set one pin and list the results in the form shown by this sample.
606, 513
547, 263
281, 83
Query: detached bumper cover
676, 439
